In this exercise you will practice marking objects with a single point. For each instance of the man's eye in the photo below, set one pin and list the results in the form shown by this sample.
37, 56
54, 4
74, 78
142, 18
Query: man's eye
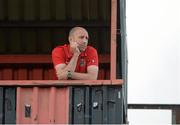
87, 37
82, 37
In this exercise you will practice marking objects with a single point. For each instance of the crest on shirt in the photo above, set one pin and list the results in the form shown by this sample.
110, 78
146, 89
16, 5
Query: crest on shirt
82, 62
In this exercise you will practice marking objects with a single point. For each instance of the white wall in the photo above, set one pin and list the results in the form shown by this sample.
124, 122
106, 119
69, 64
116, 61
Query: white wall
149, 116
153, 36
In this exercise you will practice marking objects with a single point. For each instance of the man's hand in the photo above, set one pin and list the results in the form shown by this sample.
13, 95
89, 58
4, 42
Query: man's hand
75, 48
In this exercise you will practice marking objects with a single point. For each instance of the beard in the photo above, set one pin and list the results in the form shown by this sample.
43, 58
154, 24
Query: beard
82, 47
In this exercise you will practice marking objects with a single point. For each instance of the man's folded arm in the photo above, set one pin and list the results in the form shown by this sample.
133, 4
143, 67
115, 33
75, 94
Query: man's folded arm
62, 73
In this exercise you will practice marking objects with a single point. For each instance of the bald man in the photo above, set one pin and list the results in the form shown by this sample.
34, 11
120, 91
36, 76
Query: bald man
76, 60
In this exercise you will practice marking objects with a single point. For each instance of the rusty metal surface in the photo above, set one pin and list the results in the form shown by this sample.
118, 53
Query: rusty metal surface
47, 101
42, 105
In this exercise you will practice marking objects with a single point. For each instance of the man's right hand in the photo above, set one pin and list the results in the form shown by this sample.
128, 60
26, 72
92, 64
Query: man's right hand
75, 48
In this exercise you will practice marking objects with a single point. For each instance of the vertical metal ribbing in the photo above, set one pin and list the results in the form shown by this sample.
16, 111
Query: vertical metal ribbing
34, 119
105, 109
52, 105
97, 105
1, 105
67, 90
114, 105
118, 105
18, 105
79, 106
10, 105
71, 96
87, 105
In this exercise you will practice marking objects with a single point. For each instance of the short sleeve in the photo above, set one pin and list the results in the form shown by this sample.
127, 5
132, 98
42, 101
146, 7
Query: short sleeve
92, 57
58, 56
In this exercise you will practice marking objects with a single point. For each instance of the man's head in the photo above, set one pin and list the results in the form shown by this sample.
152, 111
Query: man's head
80, 36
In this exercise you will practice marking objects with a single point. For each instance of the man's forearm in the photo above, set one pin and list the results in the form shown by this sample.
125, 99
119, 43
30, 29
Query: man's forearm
62, 72
72, 64
83, 76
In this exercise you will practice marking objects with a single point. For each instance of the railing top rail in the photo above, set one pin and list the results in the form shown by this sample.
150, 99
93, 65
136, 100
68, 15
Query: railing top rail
59, 82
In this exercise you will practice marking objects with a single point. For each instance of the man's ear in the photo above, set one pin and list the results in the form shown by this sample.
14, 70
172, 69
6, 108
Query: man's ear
70, 38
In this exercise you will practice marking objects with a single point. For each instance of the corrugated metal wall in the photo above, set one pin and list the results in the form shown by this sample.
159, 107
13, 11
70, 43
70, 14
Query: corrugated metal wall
38, 67
37, 26
55, 102
42, 105
7, 105
27, 72
96, 105
38, 72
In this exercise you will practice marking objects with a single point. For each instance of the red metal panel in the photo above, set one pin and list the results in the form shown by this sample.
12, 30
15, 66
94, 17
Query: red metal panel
49, 74
39, 59
48, 105
46, 74
24, 97
1, 77
7, 73
24, 59
36, 74
37, 67
62, 106
52, 105
107, 76
21, 74
35, 101
101, 74
15, 75
42, 106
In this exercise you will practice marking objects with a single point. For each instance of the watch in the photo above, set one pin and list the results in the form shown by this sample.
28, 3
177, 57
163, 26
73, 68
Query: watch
69, 75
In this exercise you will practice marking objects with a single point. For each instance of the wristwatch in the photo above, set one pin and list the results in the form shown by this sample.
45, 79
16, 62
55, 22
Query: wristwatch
69, 75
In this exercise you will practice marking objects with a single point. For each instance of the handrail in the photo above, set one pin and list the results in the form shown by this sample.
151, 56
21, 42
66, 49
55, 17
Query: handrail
59, 82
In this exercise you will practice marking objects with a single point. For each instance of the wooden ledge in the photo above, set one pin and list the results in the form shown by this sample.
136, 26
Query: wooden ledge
59, 82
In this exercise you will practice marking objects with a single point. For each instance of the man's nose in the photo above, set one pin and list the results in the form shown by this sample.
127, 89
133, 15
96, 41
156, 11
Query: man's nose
84, 39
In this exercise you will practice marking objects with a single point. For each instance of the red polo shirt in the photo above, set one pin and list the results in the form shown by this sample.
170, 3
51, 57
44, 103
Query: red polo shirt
62, 54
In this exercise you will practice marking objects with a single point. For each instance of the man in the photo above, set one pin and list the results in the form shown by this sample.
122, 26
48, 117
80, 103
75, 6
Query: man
76, 60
